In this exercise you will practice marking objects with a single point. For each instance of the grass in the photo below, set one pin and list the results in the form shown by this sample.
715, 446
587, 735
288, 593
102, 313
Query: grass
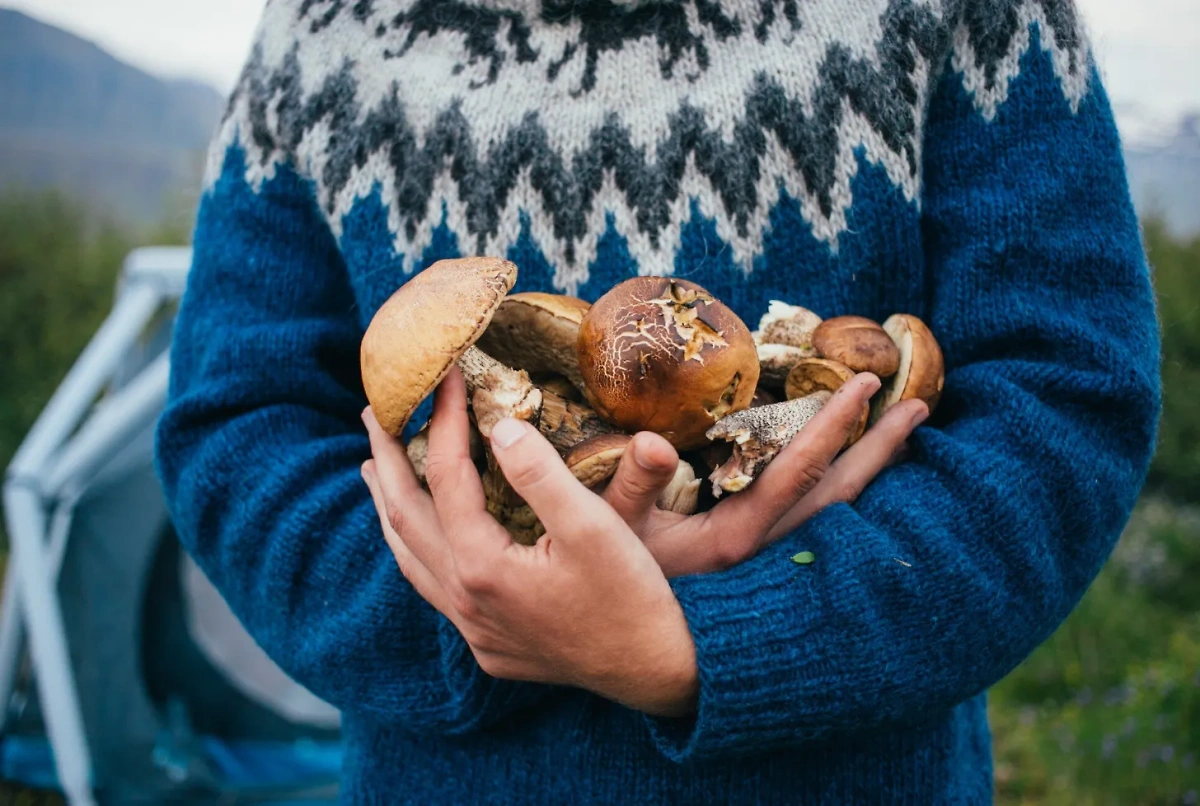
1108, 710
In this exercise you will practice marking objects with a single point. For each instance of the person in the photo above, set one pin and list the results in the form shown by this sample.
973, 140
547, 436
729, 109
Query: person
956, 161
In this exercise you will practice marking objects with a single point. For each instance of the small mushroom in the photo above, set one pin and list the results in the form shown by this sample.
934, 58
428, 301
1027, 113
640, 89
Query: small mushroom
758, 435
921, 373
418, 449
812, 375
775, 361
594, 461
537, 332
790, 325
682, 494
859, 343
664, 355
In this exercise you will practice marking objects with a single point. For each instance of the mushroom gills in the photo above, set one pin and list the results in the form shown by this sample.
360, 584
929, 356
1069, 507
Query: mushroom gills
758, 435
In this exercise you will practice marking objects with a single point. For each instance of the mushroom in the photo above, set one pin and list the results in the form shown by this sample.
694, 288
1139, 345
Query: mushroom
921, 373
593, 462
537, 332
559, 385
757, 435
418, 448
786, 324
775, 361
664, 355
433, 321
859, 343
823, 375
783, 338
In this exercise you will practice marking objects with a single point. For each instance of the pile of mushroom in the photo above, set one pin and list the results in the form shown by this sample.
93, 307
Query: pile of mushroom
653, 353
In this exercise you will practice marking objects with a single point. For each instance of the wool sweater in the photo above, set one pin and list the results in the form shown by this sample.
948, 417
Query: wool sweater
954, 160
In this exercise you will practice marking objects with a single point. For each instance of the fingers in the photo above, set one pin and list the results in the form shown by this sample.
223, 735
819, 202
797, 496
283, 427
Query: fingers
799, 467
646, 468
453, 479
418, 575
850, 474
538, 474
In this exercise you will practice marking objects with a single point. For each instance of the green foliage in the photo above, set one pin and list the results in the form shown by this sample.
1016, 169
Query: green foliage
1176, 468
1108, 710
58, 267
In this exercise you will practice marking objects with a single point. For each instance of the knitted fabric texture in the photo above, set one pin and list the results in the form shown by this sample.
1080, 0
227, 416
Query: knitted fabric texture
955, 160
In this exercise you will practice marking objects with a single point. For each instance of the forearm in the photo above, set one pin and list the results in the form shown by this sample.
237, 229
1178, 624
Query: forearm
259, 450
954, 565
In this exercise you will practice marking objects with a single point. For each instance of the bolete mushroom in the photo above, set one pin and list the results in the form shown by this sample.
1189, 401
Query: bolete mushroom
662, 354
758, 435
859, 343
433, 321
811, 375
921, 373
788, 324
537, 332
775, 361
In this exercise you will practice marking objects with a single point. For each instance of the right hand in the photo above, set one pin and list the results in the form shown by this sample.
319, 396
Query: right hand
804, 478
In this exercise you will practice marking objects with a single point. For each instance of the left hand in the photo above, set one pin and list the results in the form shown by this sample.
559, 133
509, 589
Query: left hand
586, 606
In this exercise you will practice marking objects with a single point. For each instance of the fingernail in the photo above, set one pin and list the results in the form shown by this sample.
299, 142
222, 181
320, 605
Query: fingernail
506, 432
920, 416
643, 461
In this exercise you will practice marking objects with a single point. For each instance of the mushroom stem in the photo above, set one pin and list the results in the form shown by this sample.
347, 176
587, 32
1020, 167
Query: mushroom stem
498, 391
758, 434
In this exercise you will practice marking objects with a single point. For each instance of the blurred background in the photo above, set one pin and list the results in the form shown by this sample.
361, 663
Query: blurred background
105, 111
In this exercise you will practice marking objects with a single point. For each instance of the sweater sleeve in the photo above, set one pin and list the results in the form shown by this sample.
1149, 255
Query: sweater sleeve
953, 566
259, 450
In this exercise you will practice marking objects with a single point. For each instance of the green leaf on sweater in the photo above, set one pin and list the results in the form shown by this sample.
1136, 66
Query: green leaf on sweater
803, 558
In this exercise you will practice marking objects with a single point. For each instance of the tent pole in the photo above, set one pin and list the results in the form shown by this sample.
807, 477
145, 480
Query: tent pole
47, 639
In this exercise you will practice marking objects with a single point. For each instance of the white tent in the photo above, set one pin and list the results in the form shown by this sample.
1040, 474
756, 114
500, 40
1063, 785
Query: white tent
147, 687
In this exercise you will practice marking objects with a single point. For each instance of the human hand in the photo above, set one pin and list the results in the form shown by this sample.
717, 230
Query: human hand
586, 606
803, 479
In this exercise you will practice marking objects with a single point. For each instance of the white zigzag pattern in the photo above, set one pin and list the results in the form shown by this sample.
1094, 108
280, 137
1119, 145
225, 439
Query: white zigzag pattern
776, 168
988, 99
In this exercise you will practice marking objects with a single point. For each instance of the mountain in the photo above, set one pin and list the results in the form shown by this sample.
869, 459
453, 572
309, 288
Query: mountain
75, 118
1163, 160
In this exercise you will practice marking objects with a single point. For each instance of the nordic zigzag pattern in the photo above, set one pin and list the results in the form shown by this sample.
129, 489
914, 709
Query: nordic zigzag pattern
569, 115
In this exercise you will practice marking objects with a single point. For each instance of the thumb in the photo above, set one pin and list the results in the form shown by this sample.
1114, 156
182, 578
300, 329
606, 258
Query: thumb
646, 468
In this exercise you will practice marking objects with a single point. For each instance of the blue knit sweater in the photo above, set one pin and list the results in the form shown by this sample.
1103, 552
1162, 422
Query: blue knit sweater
953, 160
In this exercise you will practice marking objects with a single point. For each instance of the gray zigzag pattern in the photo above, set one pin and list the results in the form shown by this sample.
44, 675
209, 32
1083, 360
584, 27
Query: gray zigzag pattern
649, 182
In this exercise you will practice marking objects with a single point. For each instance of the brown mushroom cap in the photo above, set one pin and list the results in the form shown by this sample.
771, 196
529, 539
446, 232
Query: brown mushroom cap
537, 332
594, 460
662, 354
921, 373
813, 375
859, 343
423, 328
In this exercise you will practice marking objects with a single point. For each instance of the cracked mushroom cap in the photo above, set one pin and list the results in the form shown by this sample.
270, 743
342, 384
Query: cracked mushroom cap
662, 354
423, 328
537, 332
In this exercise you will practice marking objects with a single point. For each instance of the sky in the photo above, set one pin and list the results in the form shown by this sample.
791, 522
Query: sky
1149, 50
